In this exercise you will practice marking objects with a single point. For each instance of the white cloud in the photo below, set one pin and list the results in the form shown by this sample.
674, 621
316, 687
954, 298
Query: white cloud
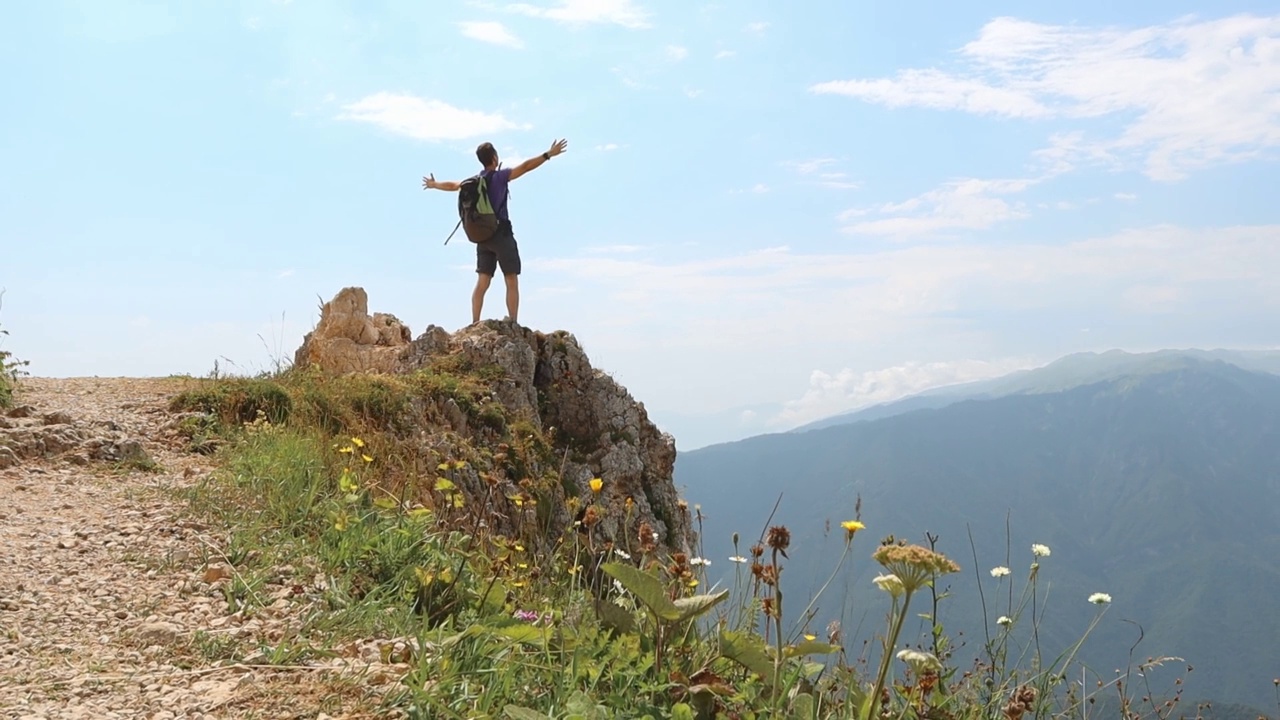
1189, 93
586, 12
847, 389
968, 204
724, 54
494, 33
287, 272
693, 93
808, 167
757, 189
1125, 197
423, 119
253, 23
608, 147
676, 53
757, 28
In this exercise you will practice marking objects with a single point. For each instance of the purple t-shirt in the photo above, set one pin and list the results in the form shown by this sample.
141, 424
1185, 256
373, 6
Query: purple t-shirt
497, 184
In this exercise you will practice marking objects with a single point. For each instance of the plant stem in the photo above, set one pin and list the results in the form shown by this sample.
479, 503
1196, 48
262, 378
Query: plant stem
890, 643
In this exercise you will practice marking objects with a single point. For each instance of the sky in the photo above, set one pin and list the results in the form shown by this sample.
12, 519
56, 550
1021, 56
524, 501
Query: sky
768, 213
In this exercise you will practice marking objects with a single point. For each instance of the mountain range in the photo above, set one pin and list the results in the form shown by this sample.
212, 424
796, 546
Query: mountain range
1154, 478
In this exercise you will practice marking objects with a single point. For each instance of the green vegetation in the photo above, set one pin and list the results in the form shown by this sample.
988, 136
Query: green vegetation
442, 547
11, 369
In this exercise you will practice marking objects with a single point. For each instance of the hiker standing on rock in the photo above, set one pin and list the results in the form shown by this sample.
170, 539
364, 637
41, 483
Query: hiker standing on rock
482, 205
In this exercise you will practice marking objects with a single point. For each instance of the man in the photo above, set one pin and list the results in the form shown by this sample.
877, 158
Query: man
500, 250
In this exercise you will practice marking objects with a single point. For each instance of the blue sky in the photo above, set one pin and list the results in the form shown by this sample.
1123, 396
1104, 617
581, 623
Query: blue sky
768, 213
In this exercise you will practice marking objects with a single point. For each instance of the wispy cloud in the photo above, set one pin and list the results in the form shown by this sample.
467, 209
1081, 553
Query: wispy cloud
725, 54
815, 169
423, 119
608, 147
1125, 197
676, 53
757, 28
846, 389
1190, 93
494, 33
968, 204
587, 12
757, 189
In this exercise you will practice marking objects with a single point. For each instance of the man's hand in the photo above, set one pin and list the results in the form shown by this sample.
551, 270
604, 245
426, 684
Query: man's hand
557, 147
429, 182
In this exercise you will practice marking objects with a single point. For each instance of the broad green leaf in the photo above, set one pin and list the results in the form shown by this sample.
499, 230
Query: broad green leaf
386, 503
524, 633
692, 607
747, 651
647, 588
681, 711
614, 617
802, 707
809, 647
515, 712
444, 484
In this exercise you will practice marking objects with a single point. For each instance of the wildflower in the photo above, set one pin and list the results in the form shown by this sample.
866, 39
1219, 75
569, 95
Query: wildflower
699, 561
851, 527
617, 585
1099, 598
809, 637
347, 450
519, 547
443, 466
890, 584
1000, 571
1004, 620
596, 484
357, 442
459, 464
737, 559
340, 523
779, 538
1040, 550
693, 582
621, 553
630, 502
526, 615
366, 458
914, 565
921, 662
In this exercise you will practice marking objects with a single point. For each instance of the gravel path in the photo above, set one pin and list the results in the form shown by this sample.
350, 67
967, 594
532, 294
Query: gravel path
103, 592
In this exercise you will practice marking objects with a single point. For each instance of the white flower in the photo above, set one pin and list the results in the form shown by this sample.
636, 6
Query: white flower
622, 554
617, 585
1000, 571
699, 561
891, 584
1040, 550
1099, 598
737, 559
1004, 620
921, 662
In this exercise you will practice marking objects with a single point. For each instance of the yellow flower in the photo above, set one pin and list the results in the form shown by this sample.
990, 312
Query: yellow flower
851, 527
443, 466
810, 638
347, 449
459, 464
517, 583
693, 582
340, 523
596, 484
366, 458
519, 547
357, 442
522, 566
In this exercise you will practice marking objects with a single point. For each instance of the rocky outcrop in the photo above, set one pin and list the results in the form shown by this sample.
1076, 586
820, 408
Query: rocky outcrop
26, 434
597, 428
348, 339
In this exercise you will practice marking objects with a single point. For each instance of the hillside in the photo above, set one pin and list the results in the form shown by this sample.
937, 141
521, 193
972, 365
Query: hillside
1062, 374
1161, 488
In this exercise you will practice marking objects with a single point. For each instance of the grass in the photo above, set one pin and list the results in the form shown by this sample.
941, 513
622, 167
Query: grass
11, 369
443, 541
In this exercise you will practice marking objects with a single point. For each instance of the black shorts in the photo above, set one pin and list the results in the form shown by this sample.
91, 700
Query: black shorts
500, 250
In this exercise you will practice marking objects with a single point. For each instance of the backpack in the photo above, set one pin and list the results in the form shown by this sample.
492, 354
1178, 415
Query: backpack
476, 214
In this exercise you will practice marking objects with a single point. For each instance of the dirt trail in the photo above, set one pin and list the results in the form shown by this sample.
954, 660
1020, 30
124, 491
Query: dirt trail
102, 586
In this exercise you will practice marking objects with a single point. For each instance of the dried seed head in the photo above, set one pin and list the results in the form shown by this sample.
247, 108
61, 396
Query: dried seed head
779, 537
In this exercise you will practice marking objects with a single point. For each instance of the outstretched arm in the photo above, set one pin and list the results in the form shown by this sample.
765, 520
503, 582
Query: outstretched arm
557, 147
430, 183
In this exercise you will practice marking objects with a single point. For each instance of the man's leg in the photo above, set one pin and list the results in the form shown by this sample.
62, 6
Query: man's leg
477, 296
513, 296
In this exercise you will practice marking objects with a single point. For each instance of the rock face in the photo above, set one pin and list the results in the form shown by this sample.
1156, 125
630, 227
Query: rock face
348, 339
596, 426
26, 434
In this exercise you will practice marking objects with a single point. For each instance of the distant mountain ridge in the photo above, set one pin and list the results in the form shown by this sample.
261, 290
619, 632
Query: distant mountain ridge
1155, 478
1062, 374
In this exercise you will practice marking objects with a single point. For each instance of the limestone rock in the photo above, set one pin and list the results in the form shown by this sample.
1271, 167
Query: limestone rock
348, 339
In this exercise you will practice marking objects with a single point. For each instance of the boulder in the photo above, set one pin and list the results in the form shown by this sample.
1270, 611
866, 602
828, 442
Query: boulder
348, 339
